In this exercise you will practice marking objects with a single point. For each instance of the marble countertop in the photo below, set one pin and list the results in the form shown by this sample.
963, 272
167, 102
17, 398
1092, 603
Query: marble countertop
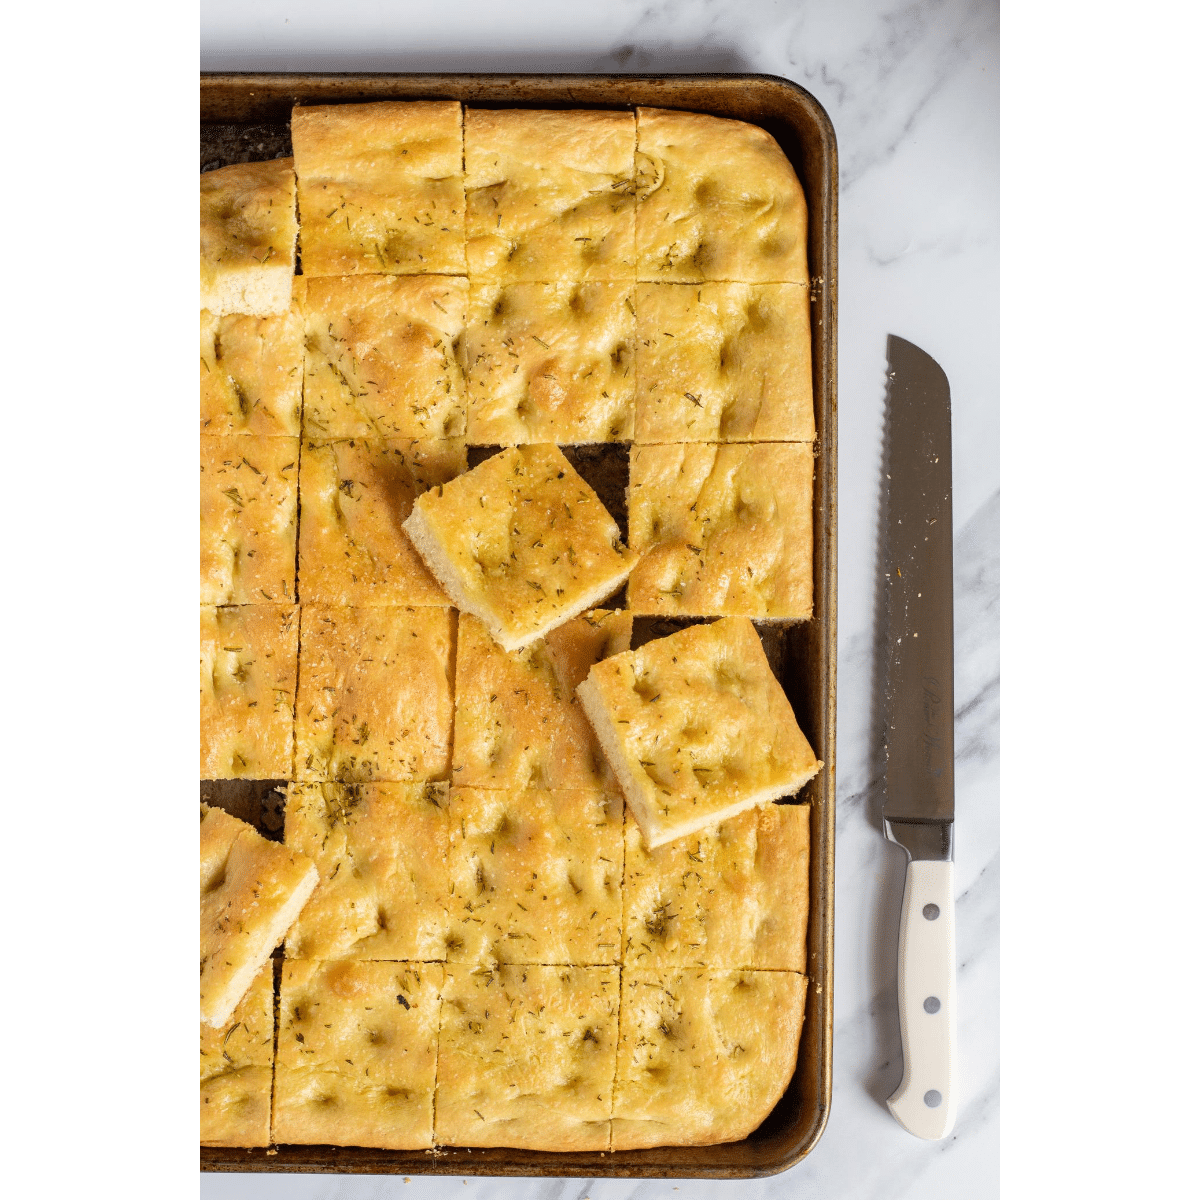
913, 92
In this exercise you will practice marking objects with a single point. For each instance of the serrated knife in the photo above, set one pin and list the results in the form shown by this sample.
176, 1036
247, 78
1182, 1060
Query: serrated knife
918, 807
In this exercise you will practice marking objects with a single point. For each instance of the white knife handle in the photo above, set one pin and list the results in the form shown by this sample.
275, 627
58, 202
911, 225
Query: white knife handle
926, 1101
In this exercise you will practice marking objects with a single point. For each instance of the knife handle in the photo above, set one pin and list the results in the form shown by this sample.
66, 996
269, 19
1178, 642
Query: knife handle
926, 1101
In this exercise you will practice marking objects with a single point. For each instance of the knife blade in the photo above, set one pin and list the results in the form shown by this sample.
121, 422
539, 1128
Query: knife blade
919, 702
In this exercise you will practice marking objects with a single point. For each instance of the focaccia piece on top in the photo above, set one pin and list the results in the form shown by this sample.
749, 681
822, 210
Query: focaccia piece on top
357, 1054
717, 199
248, 519
251, 890
381, 852
535, 877
549, 362
704, 1056
355, 494
380, 357
520, 541
374, 699
723, 362
696, 728
722, 530
248, 238
549, 194
247, 690
517, 720
236, 1062
380, 187
525, 1057
732, 896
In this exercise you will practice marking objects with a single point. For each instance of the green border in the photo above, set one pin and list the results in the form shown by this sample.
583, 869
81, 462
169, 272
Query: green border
100, 438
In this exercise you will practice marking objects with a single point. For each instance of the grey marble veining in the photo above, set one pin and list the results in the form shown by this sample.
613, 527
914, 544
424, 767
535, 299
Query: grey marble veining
912, 89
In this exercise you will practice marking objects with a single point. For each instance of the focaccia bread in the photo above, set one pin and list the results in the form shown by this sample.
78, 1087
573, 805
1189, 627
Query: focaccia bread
717, 199
380, 187
248, 238
517, 720
379, 357
374, 700
354, 497
248, 519
381, 852
696, 728
704, 1056
723, 362
733, 896
251, 371
236, 1062
722, 530
535, 877
250, 892
525, 1057
521, 542
247, 690
357, 1054
549, 194
549, 362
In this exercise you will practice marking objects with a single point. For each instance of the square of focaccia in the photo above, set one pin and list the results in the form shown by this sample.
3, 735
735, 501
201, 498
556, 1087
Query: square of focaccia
248, 238
381, 852
723, 362
722, 530
525, 1057
521, 542
549, 362
250, 892
380, 188
535, 877
734, 895
375, 698
236, 1062
247, 690
549, 194
379, 357
517, 720
248, 519
251, 371
357, 1054
696, 728
717, 199
354, 496
704, 1056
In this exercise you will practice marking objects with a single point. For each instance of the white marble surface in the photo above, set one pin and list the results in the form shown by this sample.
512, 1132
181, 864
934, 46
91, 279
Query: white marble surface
912, 89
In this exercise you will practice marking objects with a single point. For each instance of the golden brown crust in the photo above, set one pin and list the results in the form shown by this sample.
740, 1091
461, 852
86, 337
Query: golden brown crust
723, 362
717, 199
354, 496
247, 690
704, 1056
380, 187
375, 697
549, 194
696, 728
549, 362
357, 1054
248, 519
722, 530
525, 1057
236, 1064
535, 877
380, 357
381, 852
520, 541
732, 897
517, 720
